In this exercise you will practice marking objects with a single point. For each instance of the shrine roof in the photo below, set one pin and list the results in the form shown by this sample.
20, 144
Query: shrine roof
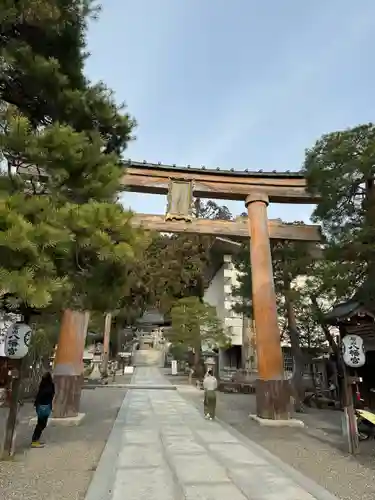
344, 310
362, 303
151, 317
357, 306
222, 171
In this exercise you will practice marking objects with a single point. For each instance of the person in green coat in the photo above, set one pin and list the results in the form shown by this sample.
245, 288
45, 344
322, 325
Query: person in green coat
210, 387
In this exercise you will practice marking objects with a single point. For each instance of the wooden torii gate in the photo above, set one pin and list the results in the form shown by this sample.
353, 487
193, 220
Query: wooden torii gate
256, 190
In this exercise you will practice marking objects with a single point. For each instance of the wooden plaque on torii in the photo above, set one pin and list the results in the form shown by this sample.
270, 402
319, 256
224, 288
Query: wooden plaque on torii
180, 200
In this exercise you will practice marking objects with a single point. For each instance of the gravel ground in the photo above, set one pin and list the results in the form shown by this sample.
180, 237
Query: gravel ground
63, 469
316, 451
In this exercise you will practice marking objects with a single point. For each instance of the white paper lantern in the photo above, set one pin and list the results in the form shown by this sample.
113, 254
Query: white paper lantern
17, 341
353, 351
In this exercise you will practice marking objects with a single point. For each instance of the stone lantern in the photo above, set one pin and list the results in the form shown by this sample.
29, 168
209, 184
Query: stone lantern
210, 361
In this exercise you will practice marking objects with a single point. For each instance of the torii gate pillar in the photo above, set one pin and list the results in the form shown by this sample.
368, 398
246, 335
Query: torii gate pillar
272, 392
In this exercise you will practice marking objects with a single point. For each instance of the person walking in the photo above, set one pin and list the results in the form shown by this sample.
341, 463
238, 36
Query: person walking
209, 386
43, 407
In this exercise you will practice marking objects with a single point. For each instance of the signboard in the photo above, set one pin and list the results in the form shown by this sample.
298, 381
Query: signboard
353, 351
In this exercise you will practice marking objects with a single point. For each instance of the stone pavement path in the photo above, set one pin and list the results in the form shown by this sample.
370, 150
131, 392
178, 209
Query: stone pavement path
318, 451
161, 448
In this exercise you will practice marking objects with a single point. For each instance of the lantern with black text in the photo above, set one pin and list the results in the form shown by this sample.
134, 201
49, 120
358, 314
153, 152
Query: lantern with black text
17, 341
353, 351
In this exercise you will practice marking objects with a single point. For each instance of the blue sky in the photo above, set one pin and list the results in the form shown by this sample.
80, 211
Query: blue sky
236, 84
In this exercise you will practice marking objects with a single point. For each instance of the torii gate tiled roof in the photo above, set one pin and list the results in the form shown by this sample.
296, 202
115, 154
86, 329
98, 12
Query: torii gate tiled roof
222, 171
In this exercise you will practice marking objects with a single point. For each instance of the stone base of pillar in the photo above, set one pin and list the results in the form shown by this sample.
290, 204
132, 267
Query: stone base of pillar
273, 399
68, 390
266, 422
63, 422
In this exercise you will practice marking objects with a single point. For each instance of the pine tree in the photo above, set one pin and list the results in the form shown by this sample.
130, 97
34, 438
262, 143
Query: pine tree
41, 70
60, 141
195, 324
31, 236
60, 136
340, 169
78, 185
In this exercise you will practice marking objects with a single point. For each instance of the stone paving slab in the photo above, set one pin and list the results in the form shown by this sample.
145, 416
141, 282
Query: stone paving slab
237, 453
162, 448
214, 492
149, 484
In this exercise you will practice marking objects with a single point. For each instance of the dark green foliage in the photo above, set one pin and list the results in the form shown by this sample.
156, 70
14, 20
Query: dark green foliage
211, 210
174, 266
340, 169
41, 70
58, 161
31, 235
64, 240
292, 263
179, 352
103, 250
195, 323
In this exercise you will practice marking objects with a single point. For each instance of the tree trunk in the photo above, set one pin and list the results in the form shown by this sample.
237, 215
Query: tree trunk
68, 372
333, 345
11, 422
197, 362
328, 336
107, 333
245, 348
370, 221
298, 357
197, 358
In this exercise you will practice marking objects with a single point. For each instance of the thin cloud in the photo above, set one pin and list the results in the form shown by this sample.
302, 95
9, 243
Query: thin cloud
130, 46
255, 104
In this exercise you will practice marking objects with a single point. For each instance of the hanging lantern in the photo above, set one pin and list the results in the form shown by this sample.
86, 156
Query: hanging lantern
353, 351
17, 341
